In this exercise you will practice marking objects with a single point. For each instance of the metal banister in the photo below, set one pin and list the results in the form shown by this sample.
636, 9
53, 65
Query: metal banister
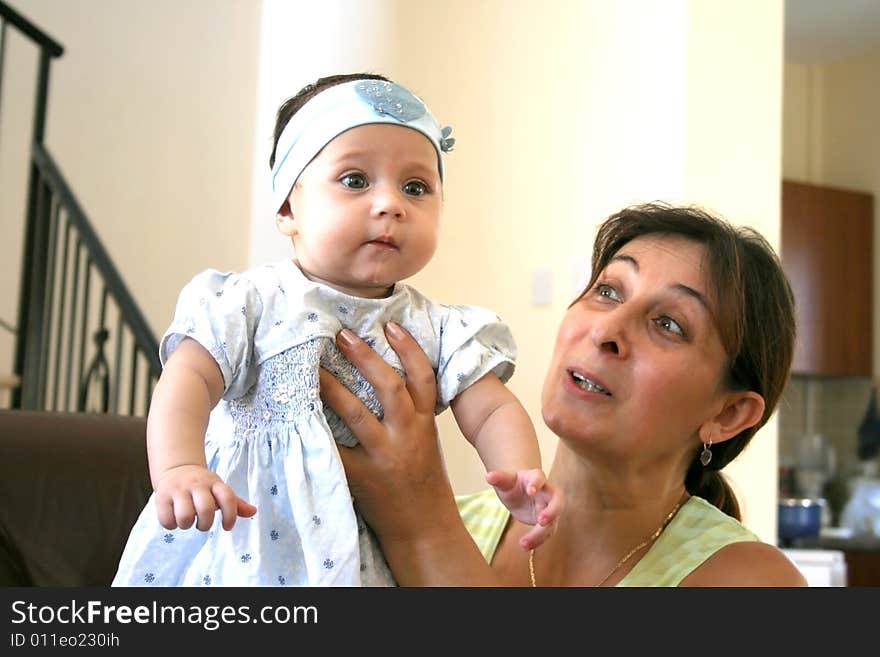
144, 336
52, 336
35, 34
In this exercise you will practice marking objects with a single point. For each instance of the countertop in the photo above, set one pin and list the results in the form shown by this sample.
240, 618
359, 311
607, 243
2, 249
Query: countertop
838, 541
861, 554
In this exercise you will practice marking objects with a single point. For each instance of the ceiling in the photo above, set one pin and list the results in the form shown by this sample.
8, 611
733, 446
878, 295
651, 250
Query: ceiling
822, 31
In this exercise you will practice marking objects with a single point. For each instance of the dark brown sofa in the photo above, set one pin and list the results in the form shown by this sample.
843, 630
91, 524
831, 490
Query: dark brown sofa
71, 488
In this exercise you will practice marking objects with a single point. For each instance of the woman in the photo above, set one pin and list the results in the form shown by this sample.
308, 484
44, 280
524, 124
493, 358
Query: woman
663, 370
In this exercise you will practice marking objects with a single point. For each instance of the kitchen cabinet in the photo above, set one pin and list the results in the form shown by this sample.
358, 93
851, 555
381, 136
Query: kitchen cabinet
827, 253
862, 568
860, 554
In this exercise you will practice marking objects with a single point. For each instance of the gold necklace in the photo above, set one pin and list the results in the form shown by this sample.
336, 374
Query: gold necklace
647, 541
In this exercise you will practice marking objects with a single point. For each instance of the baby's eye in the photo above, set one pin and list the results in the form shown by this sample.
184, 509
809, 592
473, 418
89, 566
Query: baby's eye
354, 180
607, 291
669, 324
415, 188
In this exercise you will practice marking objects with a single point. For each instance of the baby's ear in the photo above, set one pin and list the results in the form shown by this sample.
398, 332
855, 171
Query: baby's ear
284, 220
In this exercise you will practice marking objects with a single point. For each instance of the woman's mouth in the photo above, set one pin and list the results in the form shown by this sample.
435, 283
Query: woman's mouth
587, 384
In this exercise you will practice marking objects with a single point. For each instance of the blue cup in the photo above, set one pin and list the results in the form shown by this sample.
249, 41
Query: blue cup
799, 517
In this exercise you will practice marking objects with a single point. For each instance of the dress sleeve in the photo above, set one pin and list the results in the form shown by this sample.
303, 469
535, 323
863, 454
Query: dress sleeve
473, 342
221, 312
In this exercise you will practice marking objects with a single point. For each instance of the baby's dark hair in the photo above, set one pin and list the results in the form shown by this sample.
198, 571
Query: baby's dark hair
292, 105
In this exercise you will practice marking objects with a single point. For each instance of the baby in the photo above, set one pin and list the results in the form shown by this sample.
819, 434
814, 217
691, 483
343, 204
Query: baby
236, 417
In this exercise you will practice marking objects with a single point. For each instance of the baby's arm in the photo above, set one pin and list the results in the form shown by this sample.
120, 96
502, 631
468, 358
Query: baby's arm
191, 384
496, 424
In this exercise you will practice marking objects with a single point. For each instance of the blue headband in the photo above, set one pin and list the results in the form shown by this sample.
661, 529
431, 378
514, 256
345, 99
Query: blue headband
340, 108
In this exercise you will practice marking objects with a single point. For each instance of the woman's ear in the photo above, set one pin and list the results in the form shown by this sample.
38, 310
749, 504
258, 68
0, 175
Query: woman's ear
284, 220
741, 411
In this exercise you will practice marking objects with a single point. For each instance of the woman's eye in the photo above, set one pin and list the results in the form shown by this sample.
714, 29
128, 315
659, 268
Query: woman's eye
669, 324
354, 180
415, 188
607, 291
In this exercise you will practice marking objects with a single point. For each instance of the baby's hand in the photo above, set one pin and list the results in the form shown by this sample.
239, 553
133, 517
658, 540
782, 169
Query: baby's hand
531, 499
192, 492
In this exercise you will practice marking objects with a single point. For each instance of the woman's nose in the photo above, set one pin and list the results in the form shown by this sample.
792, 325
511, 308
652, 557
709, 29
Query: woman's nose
610, 332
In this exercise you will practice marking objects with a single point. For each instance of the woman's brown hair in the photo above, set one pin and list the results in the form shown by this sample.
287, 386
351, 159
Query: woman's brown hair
753, 310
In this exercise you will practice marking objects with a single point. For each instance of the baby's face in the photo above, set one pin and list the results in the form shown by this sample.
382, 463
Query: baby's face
365, 213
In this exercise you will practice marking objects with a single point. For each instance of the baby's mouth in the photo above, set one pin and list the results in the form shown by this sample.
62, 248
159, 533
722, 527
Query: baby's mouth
386, 242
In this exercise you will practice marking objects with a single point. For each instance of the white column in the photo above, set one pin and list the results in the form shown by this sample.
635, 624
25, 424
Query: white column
300, 41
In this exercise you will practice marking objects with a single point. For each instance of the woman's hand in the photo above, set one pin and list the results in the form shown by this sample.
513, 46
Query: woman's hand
396, 473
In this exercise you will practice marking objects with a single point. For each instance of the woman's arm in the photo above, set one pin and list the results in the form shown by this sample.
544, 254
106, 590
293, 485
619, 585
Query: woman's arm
396, 473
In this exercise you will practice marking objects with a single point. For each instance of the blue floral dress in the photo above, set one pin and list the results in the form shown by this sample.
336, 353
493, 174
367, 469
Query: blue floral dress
271, 439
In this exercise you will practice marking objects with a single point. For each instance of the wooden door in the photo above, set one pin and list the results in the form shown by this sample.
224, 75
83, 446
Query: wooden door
827, 238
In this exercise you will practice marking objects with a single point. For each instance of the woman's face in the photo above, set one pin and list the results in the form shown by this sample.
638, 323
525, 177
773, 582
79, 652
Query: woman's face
638, 361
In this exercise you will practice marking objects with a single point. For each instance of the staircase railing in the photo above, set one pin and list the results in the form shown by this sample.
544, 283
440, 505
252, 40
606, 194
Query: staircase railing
72, 301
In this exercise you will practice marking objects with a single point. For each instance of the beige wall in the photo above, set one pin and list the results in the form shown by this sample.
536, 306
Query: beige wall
15, 134
547, 144
151, 118
733, 164
635, 101
802, 122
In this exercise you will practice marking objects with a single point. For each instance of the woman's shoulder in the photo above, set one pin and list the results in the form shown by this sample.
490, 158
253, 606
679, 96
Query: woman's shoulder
696, 533
740, 557
703, 546
700, 517
747, 563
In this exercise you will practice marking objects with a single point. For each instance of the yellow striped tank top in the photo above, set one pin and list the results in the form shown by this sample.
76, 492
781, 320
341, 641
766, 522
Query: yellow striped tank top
697, 531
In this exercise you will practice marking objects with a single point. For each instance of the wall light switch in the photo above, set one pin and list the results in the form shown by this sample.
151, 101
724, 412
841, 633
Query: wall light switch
542, 287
